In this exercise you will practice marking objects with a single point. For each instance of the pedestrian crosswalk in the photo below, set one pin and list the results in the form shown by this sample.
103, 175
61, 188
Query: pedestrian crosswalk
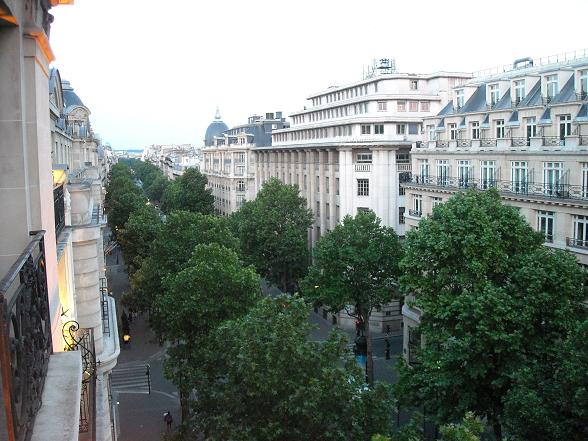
131, 379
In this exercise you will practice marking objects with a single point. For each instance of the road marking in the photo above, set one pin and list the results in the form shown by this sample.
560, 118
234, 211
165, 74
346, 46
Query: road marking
130, 379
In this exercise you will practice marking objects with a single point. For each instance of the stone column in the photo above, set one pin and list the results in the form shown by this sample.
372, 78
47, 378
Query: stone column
346, 182
322, 194
332, 196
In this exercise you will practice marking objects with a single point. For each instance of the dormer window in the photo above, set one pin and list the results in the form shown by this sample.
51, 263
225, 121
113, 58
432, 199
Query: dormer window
459, 94
552, 86
494, 94
414, 84
584, 83
519, 91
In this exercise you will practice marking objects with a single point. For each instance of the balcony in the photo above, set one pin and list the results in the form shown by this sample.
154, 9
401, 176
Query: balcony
363, 167
25, 338
488, 142
583, 140
442, 143
59, 210
581, 96
553, 141
415, 213
530, 190
520, 142
464, 143
577, 243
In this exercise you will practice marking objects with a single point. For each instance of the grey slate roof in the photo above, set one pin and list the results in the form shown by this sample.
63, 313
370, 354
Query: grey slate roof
546, 117
486, 122
514, 119
533, 98
69, 96
477, 102
566, 94
504, 102
582, 113
215, 128
447, 110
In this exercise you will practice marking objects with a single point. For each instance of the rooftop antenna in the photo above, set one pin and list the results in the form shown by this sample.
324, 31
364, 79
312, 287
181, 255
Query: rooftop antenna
383, 66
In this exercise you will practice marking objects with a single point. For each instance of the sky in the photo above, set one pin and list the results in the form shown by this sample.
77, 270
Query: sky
153, 71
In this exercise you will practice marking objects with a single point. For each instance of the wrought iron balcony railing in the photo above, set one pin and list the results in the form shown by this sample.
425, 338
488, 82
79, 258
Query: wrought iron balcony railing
415, 213
59, 210
530, 189
520, 142
464, 142
583, 140
576, 243
441, 143
581, 96
488, 142
552, 141
25, 338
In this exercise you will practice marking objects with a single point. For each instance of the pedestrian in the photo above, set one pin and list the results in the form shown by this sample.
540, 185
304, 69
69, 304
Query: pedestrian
167, 417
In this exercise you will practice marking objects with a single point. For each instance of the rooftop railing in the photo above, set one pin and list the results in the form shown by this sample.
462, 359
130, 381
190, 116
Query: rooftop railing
25, 338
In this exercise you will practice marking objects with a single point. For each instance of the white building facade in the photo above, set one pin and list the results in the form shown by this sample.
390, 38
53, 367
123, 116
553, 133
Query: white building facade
229, 161
348, 150
524, 132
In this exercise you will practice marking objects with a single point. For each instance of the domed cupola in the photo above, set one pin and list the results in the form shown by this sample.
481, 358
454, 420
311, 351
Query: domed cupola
216, 128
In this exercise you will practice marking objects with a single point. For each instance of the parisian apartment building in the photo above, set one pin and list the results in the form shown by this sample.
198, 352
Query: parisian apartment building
58, 334
229, 158
348, 150
522, 129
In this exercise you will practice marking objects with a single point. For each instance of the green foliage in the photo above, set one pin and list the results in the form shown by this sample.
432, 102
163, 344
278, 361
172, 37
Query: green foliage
141, 229
469, 430
172, 248
157, 187
273, 232
356, 264
121, 208
264, 380
188, 192
123, 196
495, 302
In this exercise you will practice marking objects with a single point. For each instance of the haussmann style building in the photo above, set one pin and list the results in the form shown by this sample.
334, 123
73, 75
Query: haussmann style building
522, 129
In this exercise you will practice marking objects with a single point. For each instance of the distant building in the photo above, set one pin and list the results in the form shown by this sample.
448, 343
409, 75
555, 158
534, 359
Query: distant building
229, 160
522, 130
172, 159
348, 151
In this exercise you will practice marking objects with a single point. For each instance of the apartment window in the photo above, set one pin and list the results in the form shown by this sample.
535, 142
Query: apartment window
318, 209
366, 129
240, 200
519, 176
413, 106
382, 106
565, 126
442, 171
584, 83
318, 184
459, 98
499, 128
425, 106
363, 187
452, 131
414, 345
401, 211
431, 132
487, 174
552, 174
581, 231
364, 158
519, 91
327, 184
401, 106
423, 169
418, 204
414, 84
464, 172
379, 129
305, 185
494, 94
337, 186
337, 213
435, 200
475, 129
328, 211
401, 129
531, 128
240, 185
552, 86
545, 224
584, 179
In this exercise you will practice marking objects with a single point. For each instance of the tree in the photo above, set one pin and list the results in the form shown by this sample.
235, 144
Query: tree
121, 208
273, 230
139, 232
188, 192
212, 287
157, 188
265, 380
356, 264
172, 248
494, 302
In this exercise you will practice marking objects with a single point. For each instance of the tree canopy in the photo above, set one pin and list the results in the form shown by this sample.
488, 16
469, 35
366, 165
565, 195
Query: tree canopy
189, 193
266, 381
356, 267
273, 230
495, 303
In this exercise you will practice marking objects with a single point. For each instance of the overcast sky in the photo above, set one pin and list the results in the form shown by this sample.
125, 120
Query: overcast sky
153, 72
